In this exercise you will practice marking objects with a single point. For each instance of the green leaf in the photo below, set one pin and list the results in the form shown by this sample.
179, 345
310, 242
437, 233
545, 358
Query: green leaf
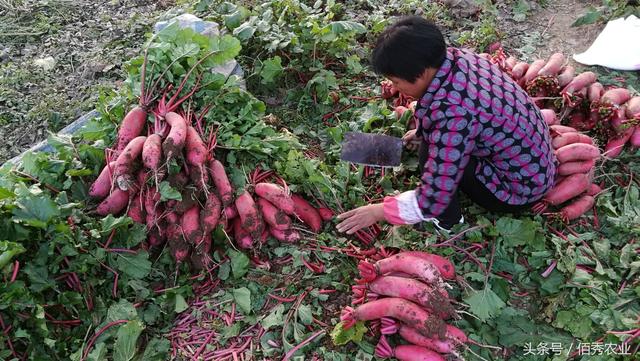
123, 310
271, 69
98, 353
354, 65
185, 51
340, 336
239, 263
578, 325
5, 193
225, 48
520, 10
592, 16
181, 304
234, 19
229, 332
338, 28
224, 270
8, 250
516, 232
136, 266
35, 209
38, 277
274, 318
553, 283
305, 315
167, 192
242, 297
124, 348
484, 304
157, 350
110, 222
244, 31
79, 172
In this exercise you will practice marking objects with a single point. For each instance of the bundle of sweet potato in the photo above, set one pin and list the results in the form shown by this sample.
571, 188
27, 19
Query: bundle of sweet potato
582, 102
573, 192
404, 294
137, 165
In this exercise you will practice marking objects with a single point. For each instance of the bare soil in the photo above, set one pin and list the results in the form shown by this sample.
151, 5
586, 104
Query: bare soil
57, 56
547, 29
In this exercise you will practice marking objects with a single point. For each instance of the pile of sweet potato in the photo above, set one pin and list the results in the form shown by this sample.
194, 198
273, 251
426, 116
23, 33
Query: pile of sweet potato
138, 164
578, 100
405, 294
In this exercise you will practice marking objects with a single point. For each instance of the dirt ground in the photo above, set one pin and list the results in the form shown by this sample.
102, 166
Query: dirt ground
547, 30
57, 56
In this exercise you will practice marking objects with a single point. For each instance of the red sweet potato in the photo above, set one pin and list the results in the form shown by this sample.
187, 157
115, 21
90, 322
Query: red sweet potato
307, 213
273, 216
570, 138
250, 215
175, 141
568, 188
615, 145
577, 151
406, 352
616, 96
594, 189
210, 214
576, 167
190, 223
230, 211
136, 209
632, 108
577, 208
277, 195
242, 237
549, 116
402, 310
288, 235
445, 266
152, 152
581, 81
115, 203
560, 129
415, 266
131, 127
553, 65
533, 70
435, 300
220, 180
519, 70
196, 150
177, 245
450, 344
566, 75
102, 185
326, 214
594, 92
510, 62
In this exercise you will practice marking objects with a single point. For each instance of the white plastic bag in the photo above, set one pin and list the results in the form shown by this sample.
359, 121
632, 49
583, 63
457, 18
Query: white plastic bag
617, 46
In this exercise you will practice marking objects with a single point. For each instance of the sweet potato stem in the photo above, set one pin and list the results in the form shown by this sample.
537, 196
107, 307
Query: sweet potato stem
100, 332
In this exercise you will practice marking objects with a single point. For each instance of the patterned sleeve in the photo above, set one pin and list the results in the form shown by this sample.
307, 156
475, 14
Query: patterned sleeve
450, 140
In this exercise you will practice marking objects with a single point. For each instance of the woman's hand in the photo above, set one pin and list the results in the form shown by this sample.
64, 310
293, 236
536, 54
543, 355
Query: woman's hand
360, 217
410, 140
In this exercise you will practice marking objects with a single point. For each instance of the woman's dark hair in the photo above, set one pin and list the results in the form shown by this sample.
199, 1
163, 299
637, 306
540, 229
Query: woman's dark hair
406, 48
